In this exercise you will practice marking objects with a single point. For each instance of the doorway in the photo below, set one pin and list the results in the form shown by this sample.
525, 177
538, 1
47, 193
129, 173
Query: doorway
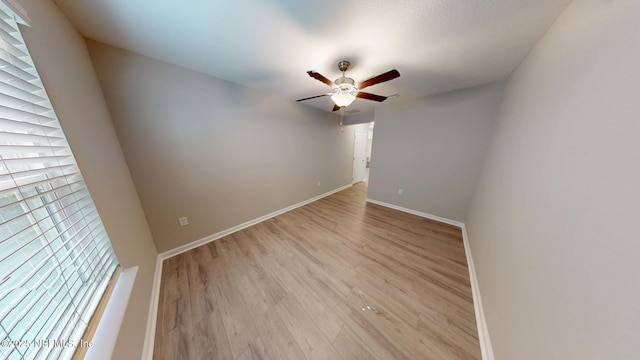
362, 142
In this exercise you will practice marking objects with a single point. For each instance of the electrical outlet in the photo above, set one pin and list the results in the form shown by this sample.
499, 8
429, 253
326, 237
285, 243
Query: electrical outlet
183, 221
318, 183
400, 191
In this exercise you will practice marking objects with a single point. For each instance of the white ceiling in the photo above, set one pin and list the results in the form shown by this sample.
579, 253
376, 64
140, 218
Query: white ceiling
436, 45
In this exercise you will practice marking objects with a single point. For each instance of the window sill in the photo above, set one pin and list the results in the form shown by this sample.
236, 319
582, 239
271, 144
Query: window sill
108, 328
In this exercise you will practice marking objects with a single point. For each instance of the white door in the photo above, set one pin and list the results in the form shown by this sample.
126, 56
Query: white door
359, 155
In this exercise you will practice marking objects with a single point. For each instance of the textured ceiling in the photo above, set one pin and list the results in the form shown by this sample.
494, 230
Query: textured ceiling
437, 45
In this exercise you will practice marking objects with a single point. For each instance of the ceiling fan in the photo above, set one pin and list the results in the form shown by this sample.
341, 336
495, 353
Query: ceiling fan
345, 90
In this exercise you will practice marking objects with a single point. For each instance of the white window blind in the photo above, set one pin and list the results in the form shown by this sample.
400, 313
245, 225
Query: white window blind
55, 257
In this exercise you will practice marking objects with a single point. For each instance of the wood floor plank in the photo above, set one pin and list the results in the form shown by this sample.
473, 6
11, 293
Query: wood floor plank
432, 296
199, 275
334, 265
267, 289
385, 272
278, 341
313, 343
450, 338
177, 302
236, 319
321, 313
375, 338
177, 344
257, 289
318, 310
170, 281
319, 283
235, 316
335, 279
255, 351
351, 347
398, 301
210, 337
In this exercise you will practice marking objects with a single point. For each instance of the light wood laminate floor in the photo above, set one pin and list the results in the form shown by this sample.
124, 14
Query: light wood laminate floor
335, 279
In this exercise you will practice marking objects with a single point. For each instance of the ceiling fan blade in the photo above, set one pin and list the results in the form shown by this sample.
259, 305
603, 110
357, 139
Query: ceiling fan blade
313, 97
335, 107
370, 96
316, 75
389, 75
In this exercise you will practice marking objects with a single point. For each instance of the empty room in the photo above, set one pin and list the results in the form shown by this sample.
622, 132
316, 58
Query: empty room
274, 179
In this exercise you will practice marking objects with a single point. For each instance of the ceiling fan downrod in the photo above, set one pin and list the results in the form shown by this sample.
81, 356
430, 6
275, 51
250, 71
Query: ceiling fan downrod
343, 82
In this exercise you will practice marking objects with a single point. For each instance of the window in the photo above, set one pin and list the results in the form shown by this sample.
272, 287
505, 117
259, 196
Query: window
55, 257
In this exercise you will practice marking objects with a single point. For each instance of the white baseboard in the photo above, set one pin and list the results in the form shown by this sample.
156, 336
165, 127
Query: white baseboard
481, 322
147, 352
483, 331
418, 213
149, 338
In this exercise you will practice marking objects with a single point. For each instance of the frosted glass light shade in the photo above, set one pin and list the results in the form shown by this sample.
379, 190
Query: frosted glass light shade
343, 99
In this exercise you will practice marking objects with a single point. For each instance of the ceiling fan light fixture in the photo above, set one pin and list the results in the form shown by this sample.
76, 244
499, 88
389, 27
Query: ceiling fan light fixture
344, 92
341, 98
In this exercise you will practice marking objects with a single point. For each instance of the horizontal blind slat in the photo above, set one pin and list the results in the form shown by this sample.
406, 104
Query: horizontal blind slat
26, 126
9, 78
18, 103
22, 93
25, 162
26, 149
10, 138
7, 28
8, 36
17, 72
20, 114
18, 62
33, 176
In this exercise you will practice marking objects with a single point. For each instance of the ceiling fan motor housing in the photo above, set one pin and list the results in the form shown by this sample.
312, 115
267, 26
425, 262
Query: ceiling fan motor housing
345, 85
345, 82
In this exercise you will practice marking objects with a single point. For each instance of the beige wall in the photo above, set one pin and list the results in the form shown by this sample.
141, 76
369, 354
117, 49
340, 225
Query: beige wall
432, 148
64, 64
215, 152
553, 225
